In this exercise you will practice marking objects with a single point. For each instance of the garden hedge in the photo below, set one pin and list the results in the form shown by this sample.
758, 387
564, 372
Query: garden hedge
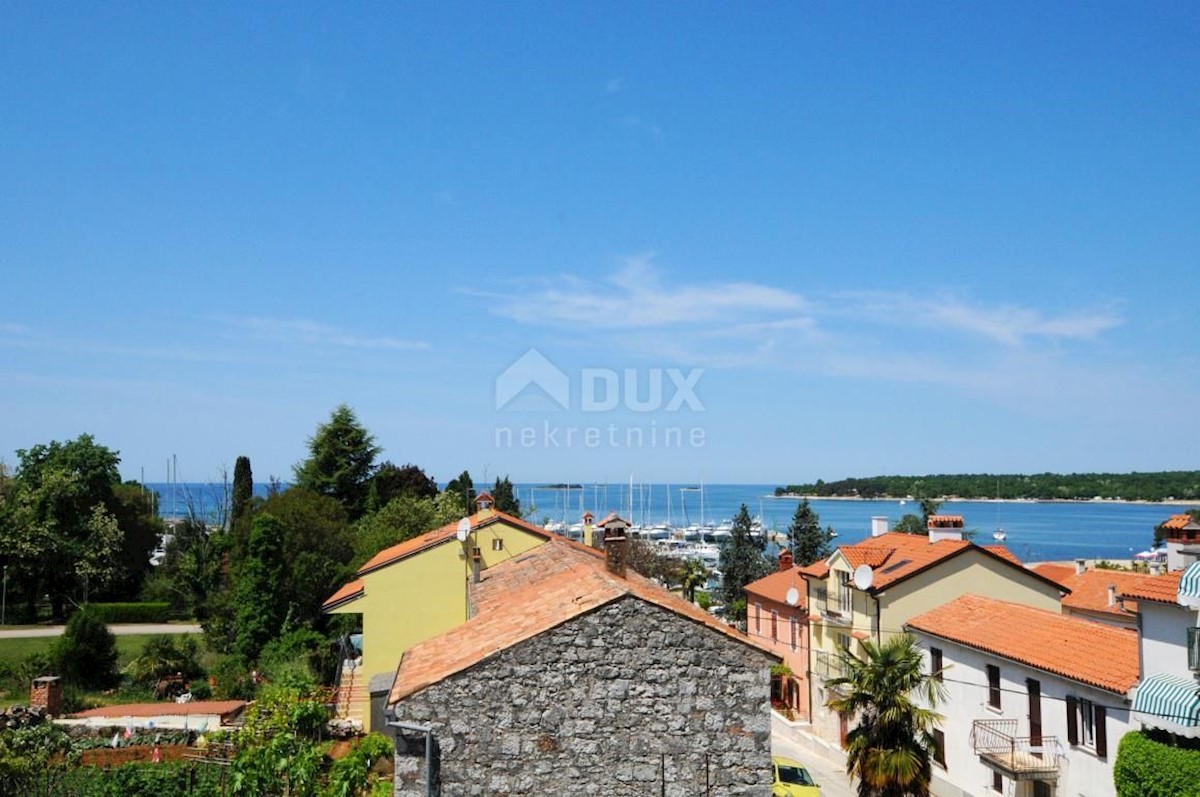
131, 612
1149, 768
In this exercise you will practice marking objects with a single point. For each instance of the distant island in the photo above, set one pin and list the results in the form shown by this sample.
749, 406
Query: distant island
1180, 485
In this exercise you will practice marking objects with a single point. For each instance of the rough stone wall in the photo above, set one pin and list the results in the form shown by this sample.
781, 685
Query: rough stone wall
611, 703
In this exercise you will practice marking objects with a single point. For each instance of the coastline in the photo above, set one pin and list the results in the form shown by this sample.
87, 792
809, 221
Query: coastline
960, 499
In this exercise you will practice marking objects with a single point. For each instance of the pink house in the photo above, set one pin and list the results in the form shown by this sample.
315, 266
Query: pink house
777, 617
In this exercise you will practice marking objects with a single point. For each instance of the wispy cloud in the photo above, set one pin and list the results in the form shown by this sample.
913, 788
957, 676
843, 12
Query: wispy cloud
317, 334
636, 296
1009, 324
614, 85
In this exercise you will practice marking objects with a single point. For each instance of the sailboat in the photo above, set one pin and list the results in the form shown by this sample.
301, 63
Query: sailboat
999, 534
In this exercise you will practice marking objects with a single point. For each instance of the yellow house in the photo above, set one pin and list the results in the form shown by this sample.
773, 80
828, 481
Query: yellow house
869, 590
416, 590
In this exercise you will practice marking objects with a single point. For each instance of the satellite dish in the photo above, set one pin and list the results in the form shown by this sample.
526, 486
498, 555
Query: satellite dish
464, 528
792, 597
864, 576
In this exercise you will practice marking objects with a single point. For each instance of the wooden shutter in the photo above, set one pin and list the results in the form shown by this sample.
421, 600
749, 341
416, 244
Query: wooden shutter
1035, 711
1101, 717
1072, 720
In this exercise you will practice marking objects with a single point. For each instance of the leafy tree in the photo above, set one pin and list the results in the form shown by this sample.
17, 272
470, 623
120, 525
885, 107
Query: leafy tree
260, 612
278, 749
808, 541
929, 508
31, 757
743, 559
390, 482
135, 509
646, 558
891, 748
243, 489
191, 572
402, 519
911, 524
506, 498
86, 653
340, 462
464, 488
162, 656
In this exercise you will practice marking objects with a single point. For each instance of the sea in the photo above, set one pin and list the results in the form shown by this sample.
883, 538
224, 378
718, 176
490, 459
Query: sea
1036, 531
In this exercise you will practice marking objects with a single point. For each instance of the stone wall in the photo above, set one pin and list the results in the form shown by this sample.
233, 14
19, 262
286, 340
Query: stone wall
614, 702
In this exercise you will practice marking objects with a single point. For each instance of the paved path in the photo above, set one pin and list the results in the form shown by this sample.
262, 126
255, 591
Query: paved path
829, 775
119, 630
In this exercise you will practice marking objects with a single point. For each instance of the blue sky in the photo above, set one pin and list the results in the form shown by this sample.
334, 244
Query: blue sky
870, 238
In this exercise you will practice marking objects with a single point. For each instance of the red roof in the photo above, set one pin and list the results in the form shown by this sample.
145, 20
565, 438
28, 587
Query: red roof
222, 708
482, 518
1159, 589
347, 593
528, 595
609, 518
817, 570
1178, 522
1100, 655
775, 586
1089, 590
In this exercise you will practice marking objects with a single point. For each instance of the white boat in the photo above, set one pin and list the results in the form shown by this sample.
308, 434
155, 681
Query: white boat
999, 535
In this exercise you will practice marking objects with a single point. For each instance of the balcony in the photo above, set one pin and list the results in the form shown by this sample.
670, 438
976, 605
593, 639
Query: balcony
831, 611
828, 665
1016, 757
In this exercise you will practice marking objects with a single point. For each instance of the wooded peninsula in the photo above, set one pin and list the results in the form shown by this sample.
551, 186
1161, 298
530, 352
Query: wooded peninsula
1182, 485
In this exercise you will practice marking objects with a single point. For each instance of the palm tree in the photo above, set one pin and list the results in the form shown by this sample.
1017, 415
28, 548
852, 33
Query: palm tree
891, 749
695, 574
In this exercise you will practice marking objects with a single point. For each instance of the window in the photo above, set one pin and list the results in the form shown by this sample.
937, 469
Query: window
795, 626
935, 663
498, 544
758, 618
774, 624
939, 747
997, 782
1087, 725
993, 675
1041, 789
1193, 646
846, 595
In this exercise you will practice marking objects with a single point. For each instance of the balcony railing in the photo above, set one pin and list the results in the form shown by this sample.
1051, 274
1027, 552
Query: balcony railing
1018, 757
828, 665
830, 610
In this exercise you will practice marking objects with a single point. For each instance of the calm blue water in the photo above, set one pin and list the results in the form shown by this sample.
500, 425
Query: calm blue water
1036, 531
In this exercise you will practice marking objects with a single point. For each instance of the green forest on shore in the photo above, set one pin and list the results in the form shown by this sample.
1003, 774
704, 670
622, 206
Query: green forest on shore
1183, 485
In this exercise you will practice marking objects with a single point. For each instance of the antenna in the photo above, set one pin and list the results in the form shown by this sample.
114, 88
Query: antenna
792, 597
464, 528
864, 576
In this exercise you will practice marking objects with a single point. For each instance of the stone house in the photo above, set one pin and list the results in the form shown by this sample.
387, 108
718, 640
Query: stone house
574, 676
1035, 701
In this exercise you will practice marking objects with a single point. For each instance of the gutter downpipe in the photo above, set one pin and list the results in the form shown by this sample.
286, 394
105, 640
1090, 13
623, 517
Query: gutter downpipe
428, 731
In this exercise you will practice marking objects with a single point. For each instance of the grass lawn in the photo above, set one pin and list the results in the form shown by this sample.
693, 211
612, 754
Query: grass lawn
14, 651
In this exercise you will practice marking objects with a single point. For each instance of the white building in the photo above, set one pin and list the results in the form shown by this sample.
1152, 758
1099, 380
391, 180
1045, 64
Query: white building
1035, 701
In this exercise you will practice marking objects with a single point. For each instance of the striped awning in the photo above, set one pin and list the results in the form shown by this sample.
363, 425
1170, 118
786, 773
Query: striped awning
1189, 586
1169, 702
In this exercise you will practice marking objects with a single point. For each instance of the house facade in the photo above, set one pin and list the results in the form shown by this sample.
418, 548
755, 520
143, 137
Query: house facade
1182, 540
415, 590
1035, 702
869, 590
777, 617
573, 676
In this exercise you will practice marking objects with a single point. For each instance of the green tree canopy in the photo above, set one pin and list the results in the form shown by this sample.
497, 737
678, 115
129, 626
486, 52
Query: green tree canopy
391, 482
464, 488
506, 497
890, 749
341, 461
743, 559
808, 541
86, 654
260, 612
404, 517
243, 489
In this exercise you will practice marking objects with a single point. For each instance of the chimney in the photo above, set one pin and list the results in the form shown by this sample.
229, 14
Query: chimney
588, 517
616, 550
786, 560
484, 501
879, 525
1080, 567
944, 527
1112, 594
476, 560
46, 694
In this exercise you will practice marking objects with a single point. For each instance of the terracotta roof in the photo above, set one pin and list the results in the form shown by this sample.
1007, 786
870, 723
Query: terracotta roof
815, 570
482, 518
219, 707
895, 556
528, 595
1159, 589
1177, 522
609, 518
1089, 590
1092, 653
347, 593
945, 521
775, 586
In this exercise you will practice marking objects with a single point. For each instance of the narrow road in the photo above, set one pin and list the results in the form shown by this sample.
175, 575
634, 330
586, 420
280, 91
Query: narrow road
121, 629
829, 776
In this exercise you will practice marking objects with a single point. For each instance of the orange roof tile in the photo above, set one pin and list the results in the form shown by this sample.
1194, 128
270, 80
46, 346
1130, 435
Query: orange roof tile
609, 518
1158, 589
815, 570
220, 707
945, 521
1092, 653
1089, 590
895, 556
774, 587
1177, 522
527, 595
482, 518
347, 593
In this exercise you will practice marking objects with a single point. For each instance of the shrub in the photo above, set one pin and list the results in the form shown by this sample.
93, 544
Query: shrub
165, 656
86, 654
296, 650
1149, 768
231, 680
703, 600
157, 612
350, 776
